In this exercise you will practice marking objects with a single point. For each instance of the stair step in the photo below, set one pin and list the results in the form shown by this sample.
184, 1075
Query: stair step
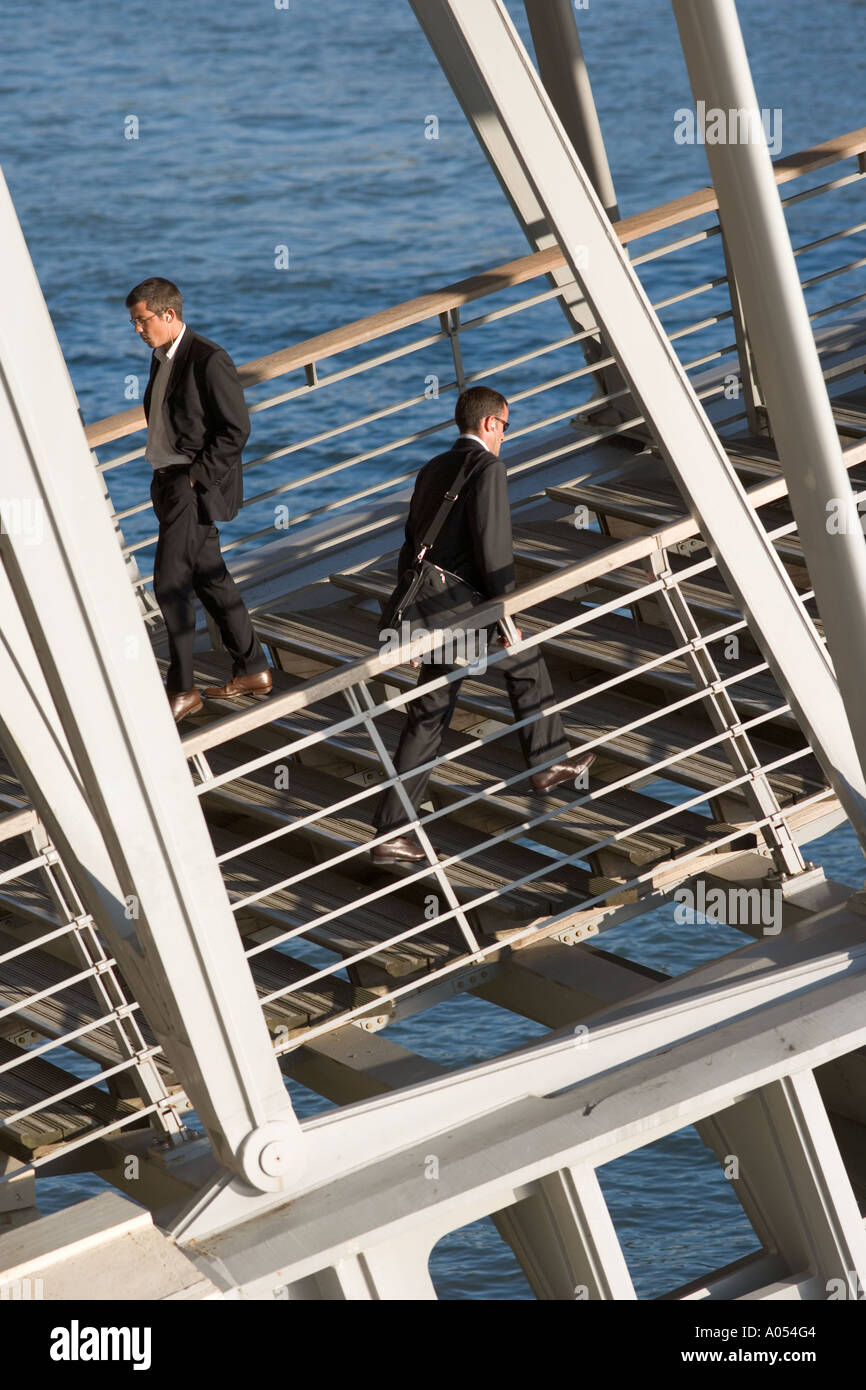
334, 635
612, 642
649, 505
491, 869
35, 1082
573, 827
64, 1009
544, 547
303, 1008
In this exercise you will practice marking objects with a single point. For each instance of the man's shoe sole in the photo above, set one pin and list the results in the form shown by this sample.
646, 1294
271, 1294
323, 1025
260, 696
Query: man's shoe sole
380, 860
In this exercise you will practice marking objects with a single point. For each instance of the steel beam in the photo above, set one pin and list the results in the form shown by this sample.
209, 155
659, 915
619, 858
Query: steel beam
487, 126
486, 39
86, 725
565, 1240
500, 1154
563, 71
780, 333
757, 994
785, 1166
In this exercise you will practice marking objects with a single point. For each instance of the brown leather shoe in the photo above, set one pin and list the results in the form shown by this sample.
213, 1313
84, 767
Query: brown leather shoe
560, 772
183, 702
402, 850
262, 683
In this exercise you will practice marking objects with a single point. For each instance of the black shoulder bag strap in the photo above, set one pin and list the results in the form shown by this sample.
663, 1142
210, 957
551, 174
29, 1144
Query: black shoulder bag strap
407, 595
445, 507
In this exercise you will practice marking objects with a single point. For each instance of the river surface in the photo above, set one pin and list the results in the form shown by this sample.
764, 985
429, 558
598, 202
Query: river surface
194, 140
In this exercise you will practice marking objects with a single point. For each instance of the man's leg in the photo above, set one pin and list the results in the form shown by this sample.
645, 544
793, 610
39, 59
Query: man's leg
221, 597
174, 565
529, 690
427, 719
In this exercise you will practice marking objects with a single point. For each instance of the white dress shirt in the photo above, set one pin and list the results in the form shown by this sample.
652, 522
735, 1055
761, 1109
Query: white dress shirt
159, 452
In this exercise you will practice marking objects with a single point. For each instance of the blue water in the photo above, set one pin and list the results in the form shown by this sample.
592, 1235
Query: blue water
305, 128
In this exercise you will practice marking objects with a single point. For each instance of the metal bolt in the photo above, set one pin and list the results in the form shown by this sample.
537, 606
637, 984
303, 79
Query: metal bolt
273, 1159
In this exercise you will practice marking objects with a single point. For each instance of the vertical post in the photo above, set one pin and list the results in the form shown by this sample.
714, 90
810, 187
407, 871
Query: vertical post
450, 322
778, 325
411, 816
755, 412
783, 1163
485, 122
565, 1240
563, 71
723, 716
562, 68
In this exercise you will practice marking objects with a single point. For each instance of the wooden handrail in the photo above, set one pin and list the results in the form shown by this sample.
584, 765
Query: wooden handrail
501, 277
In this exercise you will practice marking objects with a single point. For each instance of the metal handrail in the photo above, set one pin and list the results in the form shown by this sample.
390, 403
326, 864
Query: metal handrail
452, 328
376, 666
524, 934
619, 555
505, 276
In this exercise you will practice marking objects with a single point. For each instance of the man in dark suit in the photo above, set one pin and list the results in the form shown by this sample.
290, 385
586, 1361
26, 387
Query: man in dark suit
475, 543
197, 425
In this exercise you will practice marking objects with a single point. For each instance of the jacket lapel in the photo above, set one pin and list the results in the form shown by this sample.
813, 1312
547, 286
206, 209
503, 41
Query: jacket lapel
178, 365
148, 390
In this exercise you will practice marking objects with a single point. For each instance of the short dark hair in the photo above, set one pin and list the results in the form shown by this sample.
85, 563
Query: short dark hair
474, 405
157, 294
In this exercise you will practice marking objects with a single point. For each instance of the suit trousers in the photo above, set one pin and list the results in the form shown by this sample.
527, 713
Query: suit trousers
428, 716
189, 565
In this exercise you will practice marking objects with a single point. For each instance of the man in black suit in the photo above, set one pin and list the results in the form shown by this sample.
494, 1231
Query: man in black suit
197, 425
475, 543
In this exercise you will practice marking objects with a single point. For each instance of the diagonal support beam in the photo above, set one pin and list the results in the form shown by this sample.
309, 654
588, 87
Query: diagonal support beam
488, 129
792, 382
86, 725
484, 35
563, 71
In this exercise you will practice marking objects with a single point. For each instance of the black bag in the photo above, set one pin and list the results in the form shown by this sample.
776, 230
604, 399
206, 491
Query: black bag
426, 591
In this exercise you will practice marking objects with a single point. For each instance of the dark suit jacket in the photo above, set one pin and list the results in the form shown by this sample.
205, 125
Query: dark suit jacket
475, 541
206, 419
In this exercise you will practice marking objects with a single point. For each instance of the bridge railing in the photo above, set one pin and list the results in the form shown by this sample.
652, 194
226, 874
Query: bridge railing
427, 349
739, 719
120, 1063
77, 1060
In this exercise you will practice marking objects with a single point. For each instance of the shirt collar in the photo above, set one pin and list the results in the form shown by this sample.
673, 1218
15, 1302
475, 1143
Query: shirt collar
164, 354
467, 434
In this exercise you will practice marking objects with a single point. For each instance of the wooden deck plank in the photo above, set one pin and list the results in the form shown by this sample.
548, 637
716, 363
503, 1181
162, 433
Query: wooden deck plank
610, 814
333, 636
34, 1081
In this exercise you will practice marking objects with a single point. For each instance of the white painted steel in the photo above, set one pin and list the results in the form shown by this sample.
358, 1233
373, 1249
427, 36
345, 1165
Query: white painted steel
791, 1180
784, 347
662, 390
486, 125
494, 1148
565, 1240
84, 714
564, 73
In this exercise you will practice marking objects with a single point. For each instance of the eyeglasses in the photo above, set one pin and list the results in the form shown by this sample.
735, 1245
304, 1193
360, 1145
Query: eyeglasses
137, 323
503, 423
